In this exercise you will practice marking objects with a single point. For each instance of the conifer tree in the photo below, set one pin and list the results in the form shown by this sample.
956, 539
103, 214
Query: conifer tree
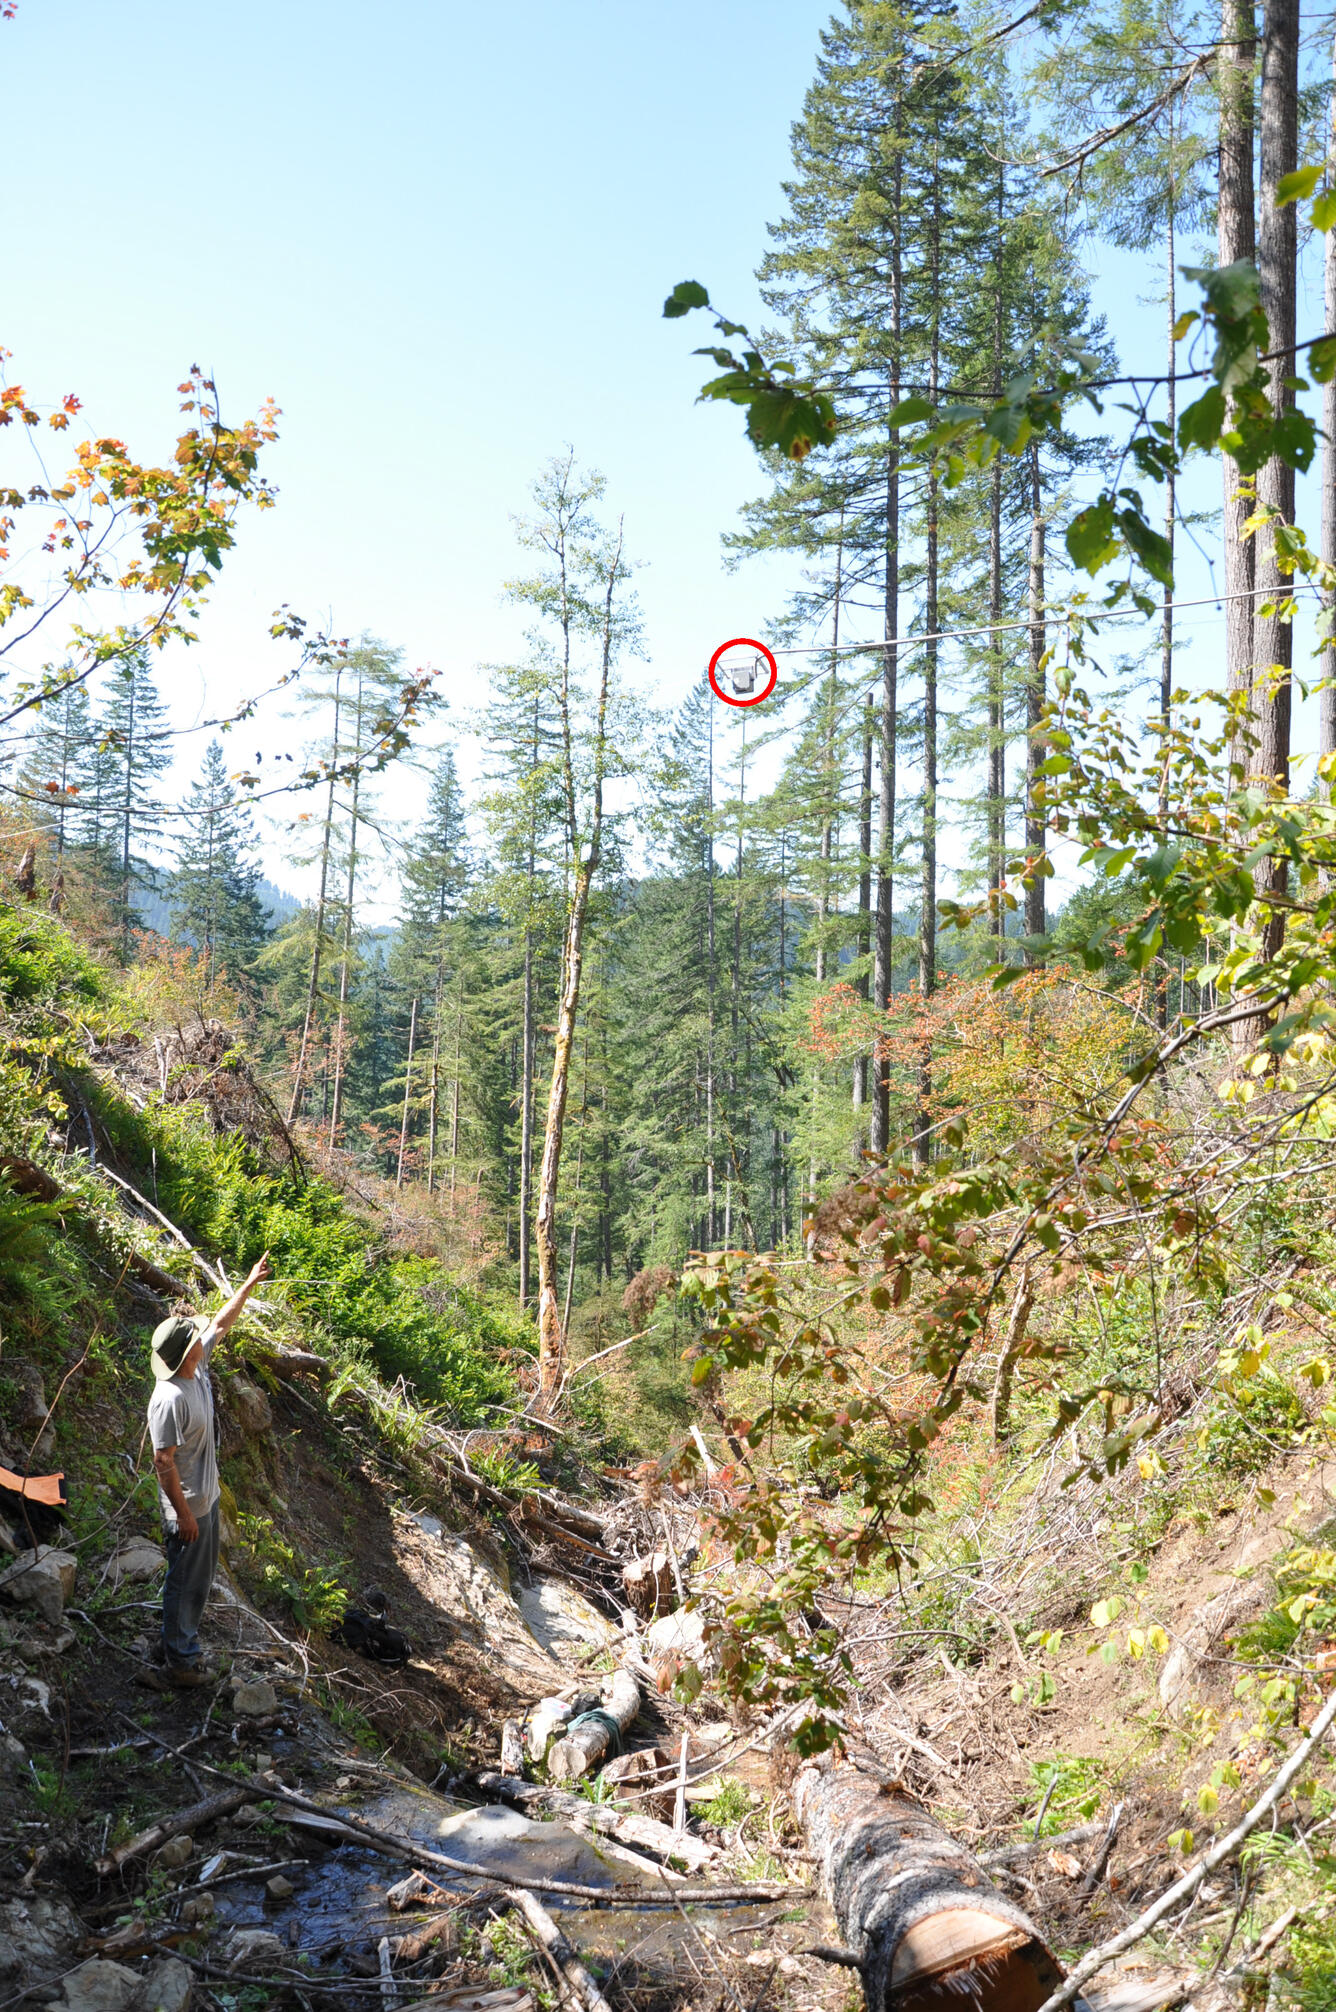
213, 889
135, 732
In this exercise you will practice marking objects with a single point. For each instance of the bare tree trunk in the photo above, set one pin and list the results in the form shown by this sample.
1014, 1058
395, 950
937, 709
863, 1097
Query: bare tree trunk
927, 945
997, 746
860, 1086
1034, 707
1327, 699
526, 1120
1236, 241
1021, 1308
551, 1329
408, 1091
313, 987
884, 951
928, 1927
710, 977
1273, 637
346, 946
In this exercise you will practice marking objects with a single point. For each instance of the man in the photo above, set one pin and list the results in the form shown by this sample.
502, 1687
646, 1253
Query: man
180, 1423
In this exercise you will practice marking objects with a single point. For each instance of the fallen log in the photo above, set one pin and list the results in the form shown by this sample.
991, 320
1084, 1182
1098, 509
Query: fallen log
630, 1825
915, 1908
190, 1819
595, 1736
559, 1950
285, 1363
27, 1178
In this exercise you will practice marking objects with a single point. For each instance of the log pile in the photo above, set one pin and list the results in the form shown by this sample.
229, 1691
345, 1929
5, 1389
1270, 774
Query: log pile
920, 1917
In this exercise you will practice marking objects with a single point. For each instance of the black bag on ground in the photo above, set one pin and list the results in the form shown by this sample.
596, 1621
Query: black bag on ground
370, 1636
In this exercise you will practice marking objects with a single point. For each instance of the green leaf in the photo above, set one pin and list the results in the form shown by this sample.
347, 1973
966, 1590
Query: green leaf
1201, 423
1294, 188
688, 293
909, 412
1090, 540
1324, 210
1152, 548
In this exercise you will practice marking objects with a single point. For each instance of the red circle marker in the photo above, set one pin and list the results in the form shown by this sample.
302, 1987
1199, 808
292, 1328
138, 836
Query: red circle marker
741, 643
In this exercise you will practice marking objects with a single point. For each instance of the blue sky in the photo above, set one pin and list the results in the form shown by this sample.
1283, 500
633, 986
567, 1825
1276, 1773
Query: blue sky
440, 237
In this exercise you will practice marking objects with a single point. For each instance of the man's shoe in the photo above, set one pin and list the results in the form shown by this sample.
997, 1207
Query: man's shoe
184, 1678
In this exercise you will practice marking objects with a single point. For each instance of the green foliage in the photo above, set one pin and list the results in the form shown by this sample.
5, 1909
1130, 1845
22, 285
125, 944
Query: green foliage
727, 1808
314, 1592
1078, 1790
503, 1470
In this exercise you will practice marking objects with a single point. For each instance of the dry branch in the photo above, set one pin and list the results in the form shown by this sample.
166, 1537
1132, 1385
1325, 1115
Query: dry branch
1184, 1888
559, 1950
190, 1819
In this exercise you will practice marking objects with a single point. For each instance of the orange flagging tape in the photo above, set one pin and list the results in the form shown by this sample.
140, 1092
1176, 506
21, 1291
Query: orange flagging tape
48, 1488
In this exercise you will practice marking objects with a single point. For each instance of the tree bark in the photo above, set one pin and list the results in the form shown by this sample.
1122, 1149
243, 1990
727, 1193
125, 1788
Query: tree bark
1034, 706
915, 1907
883, 960
861, 1079
586, 861
927, 943
1236, 241
1273, 635
1021, 1308
1327, 699
408, 1091
582, 1749
313, 986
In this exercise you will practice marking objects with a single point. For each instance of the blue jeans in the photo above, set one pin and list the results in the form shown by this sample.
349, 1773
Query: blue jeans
185, 1593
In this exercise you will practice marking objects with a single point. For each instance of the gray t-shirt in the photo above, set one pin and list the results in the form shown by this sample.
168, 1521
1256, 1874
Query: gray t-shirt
180, 1414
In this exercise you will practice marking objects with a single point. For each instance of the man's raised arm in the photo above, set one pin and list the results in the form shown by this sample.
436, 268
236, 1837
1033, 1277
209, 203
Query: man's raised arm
259, 1271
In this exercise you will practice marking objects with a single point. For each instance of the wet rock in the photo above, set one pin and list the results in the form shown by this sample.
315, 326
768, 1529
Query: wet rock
197, 1909
37, 1936
279, 1888
253, 1949
255, 1699
167, 1987
175, 1853
99, 1986
41, 1579
137, 1561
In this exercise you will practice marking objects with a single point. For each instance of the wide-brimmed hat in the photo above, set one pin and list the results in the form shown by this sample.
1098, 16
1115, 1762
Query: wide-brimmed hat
170, 1344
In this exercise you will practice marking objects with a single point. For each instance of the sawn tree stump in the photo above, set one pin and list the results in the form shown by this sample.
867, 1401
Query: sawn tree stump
919, 1912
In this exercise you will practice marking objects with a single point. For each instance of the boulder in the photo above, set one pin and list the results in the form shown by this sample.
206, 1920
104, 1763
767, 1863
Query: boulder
175, 1853
279, 1888
673, 1641
253, 1949
198, 1908
38, 1936
42, 1579
249, 1406
167, 1987
99, 1986
255, 1699
32, 1412
137, 1560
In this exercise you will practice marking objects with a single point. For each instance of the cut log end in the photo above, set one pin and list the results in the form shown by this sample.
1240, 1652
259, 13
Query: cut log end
959, 1954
